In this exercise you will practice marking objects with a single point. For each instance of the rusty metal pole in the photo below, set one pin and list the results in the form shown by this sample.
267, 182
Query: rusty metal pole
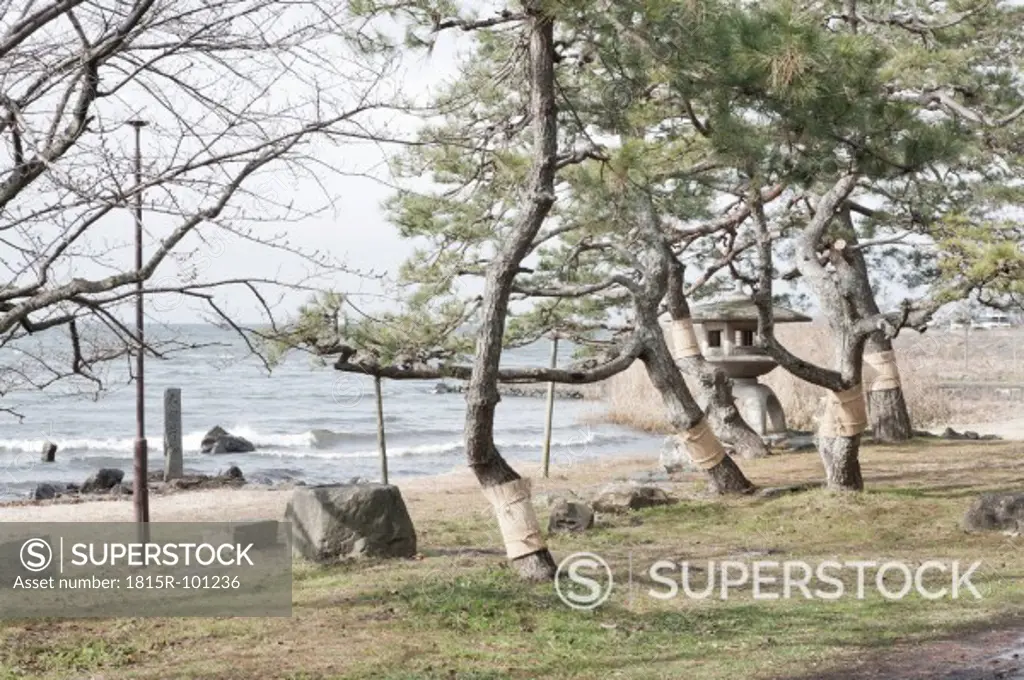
140, 488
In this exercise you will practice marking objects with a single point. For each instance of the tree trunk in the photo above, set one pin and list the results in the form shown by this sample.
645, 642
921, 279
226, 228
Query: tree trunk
482, 391
842, 465
494, 471
888, 416
726, 478
715, 385
683, 411
725, 418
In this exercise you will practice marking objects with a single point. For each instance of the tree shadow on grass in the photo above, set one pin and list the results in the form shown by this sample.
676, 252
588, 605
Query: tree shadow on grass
983, 650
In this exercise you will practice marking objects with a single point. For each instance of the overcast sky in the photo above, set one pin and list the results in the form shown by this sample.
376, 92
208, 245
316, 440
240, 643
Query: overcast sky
355, 229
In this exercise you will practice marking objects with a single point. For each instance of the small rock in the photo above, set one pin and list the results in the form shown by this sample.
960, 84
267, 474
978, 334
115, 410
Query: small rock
571, 516
104, 480
674, 457
950, 433
618, 497
233, 472
44, 492
996, 512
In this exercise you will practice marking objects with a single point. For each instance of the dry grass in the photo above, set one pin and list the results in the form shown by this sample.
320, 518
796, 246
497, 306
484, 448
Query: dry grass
926, 362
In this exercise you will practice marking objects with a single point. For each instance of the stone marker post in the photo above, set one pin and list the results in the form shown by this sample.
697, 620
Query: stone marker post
172, 434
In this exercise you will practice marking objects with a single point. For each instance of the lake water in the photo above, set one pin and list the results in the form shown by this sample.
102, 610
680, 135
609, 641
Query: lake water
308, 422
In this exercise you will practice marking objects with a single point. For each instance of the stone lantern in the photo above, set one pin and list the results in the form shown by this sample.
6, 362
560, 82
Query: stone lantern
727, 332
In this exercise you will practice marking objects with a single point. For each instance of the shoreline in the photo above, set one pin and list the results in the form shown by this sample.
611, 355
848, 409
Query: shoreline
254, 501
246, 503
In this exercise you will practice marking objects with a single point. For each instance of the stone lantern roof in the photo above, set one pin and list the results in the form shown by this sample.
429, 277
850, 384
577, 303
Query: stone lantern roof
740, 308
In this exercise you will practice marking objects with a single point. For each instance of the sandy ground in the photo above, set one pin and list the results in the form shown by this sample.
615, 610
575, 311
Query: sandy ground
454, 490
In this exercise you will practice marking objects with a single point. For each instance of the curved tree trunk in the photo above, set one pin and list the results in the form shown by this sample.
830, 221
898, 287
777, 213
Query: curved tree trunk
888, 416
725, 418
727, 478
840, 456
494, 471
715, 385
683, 411
482, 391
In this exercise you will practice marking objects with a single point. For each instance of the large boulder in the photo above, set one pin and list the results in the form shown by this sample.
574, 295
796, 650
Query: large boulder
104, 480
996, 512
623, 497
219, 440
211, 437
332, 522
570, 516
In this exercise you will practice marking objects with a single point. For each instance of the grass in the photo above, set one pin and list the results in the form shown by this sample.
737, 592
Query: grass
926, 361
458, 612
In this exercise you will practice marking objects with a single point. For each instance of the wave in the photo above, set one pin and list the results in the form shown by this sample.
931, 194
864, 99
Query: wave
322, 443
35, 446
571, 446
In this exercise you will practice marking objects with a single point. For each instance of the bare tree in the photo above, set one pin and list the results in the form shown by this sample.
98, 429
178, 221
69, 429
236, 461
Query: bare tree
232, 93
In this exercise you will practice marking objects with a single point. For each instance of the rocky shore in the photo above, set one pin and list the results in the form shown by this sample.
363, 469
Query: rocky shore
111, 483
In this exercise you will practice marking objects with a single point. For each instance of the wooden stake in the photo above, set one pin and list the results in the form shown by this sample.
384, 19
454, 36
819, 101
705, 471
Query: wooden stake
381, 446
551, 408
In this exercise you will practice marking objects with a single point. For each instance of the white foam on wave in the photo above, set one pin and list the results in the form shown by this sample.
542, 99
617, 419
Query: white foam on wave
99, 446
86, 447
572, 445
317, 443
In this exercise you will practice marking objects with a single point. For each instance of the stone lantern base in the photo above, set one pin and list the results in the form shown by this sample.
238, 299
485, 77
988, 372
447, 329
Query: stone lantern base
759, 406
